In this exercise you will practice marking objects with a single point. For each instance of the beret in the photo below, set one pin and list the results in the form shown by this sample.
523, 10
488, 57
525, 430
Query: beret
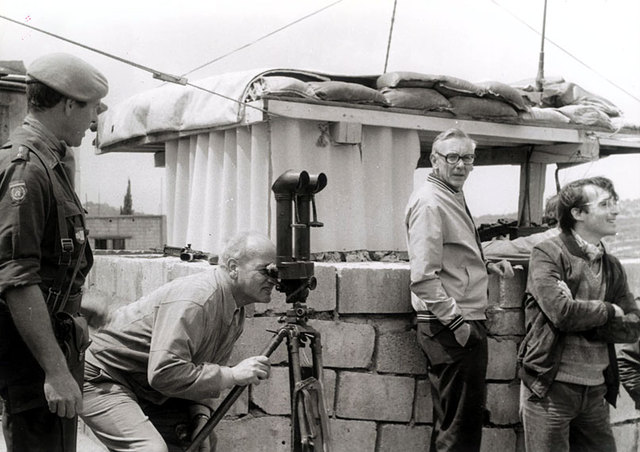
70, 76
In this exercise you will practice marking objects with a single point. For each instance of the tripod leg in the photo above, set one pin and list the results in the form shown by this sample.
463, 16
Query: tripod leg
235, 393
298, 430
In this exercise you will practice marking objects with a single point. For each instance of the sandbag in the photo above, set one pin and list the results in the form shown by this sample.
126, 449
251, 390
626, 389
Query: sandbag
416, 98
529, 84
562, 94
446, 85
550, 115
279, 86
347, 92
481, 108
587, 115
503, 92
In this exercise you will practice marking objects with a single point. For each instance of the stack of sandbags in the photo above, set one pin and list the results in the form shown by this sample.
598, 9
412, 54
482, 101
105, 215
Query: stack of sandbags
323, 90
577, 104
428, 92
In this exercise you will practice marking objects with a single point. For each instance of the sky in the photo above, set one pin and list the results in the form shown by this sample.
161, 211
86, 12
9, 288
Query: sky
594, 43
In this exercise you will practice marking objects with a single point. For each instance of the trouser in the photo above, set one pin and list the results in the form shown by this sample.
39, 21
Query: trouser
39, 430
569, 417
123, 422
27, 423
457, 376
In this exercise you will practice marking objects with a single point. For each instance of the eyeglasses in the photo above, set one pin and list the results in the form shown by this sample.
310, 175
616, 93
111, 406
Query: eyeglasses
270, 271
453, 159
608, 203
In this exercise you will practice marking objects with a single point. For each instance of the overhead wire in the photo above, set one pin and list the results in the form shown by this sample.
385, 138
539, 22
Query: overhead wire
181, 80
567, 52
160, 75
284, 27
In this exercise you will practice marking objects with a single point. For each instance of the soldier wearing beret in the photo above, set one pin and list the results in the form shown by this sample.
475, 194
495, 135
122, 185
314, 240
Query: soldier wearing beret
44, 257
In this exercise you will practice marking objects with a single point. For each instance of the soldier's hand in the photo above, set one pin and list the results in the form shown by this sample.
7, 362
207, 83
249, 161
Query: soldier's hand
63, 394
251, 370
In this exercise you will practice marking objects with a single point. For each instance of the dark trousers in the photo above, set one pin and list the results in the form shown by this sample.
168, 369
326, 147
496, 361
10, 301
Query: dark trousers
458, 390
39, 430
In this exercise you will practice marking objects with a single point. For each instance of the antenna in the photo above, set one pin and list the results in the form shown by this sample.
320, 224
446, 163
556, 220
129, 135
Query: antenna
540, 76
393, 18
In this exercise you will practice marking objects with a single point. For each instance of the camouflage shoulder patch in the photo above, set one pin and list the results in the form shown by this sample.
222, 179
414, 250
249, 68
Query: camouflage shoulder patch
18, 192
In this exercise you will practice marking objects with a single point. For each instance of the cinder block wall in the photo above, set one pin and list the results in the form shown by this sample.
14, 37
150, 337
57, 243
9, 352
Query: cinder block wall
376, 389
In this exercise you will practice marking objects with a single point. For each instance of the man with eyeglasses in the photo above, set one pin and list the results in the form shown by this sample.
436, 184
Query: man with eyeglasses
577, 306
153, 371
449, 293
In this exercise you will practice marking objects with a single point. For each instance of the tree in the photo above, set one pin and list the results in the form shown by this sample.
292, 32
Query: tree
127, 209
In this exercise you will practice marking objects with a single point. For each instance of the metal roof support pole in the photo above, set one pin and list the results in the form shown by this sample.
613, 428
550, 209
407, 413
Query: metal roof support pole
532, 182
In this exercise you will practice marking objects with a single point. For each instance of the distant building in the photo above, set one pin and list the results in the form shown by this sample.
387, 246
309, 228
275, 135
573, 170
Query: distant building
13, 99
127, 232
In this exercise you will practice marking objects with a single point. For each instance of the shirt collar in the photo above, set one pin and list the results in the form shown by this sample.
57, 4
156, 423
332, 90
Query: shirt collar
436, 180
59, 147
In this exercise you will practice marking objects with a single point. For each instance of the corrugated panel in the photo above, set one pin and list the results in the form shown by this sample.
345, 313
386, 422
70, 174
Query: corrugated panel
220, 182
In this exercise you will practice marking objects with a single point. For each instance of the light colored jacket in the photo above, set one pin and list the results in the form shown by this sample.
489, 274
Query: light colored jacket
175, 341
448, 272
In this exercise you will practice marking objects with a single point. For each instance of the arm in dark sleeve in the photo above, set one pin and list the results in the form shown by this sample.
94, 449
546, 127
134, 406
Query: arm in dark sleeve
629, 367
626, 328
564, 312
24, 203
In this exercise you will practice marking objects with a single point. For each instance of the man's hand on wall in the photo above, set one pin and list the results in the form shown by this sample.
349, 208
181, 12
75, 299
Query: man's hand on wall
502, 268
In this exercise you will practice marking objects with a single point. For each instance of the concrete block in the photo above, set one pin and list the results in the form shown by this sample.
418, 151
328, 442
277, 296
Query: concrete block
626, 436
322, 298
352, 436
393, 437
255, 434
632, 268
503, 402
257, 334
273, 396
128, 274
102, 276
239, 408
505, 322
400, 353
155, 274
373, 288
423, 409
503, 354
625, 408
177, 269
393, 324
345, 345
507, 292
498, 439
374, 397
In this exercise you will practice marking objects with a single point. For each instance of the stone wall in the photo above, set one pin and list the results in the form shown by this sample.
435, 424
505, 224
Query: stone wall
377, 393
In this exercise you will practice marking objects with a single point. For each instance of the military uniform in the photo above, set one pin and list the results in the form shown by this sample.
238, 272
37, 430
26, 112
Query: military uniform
43, 243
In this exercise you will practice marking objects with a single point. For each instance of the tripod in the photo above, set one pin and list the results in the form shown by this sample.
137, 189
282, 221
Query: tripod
309, 420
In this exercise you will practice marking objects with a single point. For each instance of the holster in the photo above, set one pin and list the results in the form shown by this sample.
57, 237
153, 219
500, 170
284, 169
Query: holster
72, 333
